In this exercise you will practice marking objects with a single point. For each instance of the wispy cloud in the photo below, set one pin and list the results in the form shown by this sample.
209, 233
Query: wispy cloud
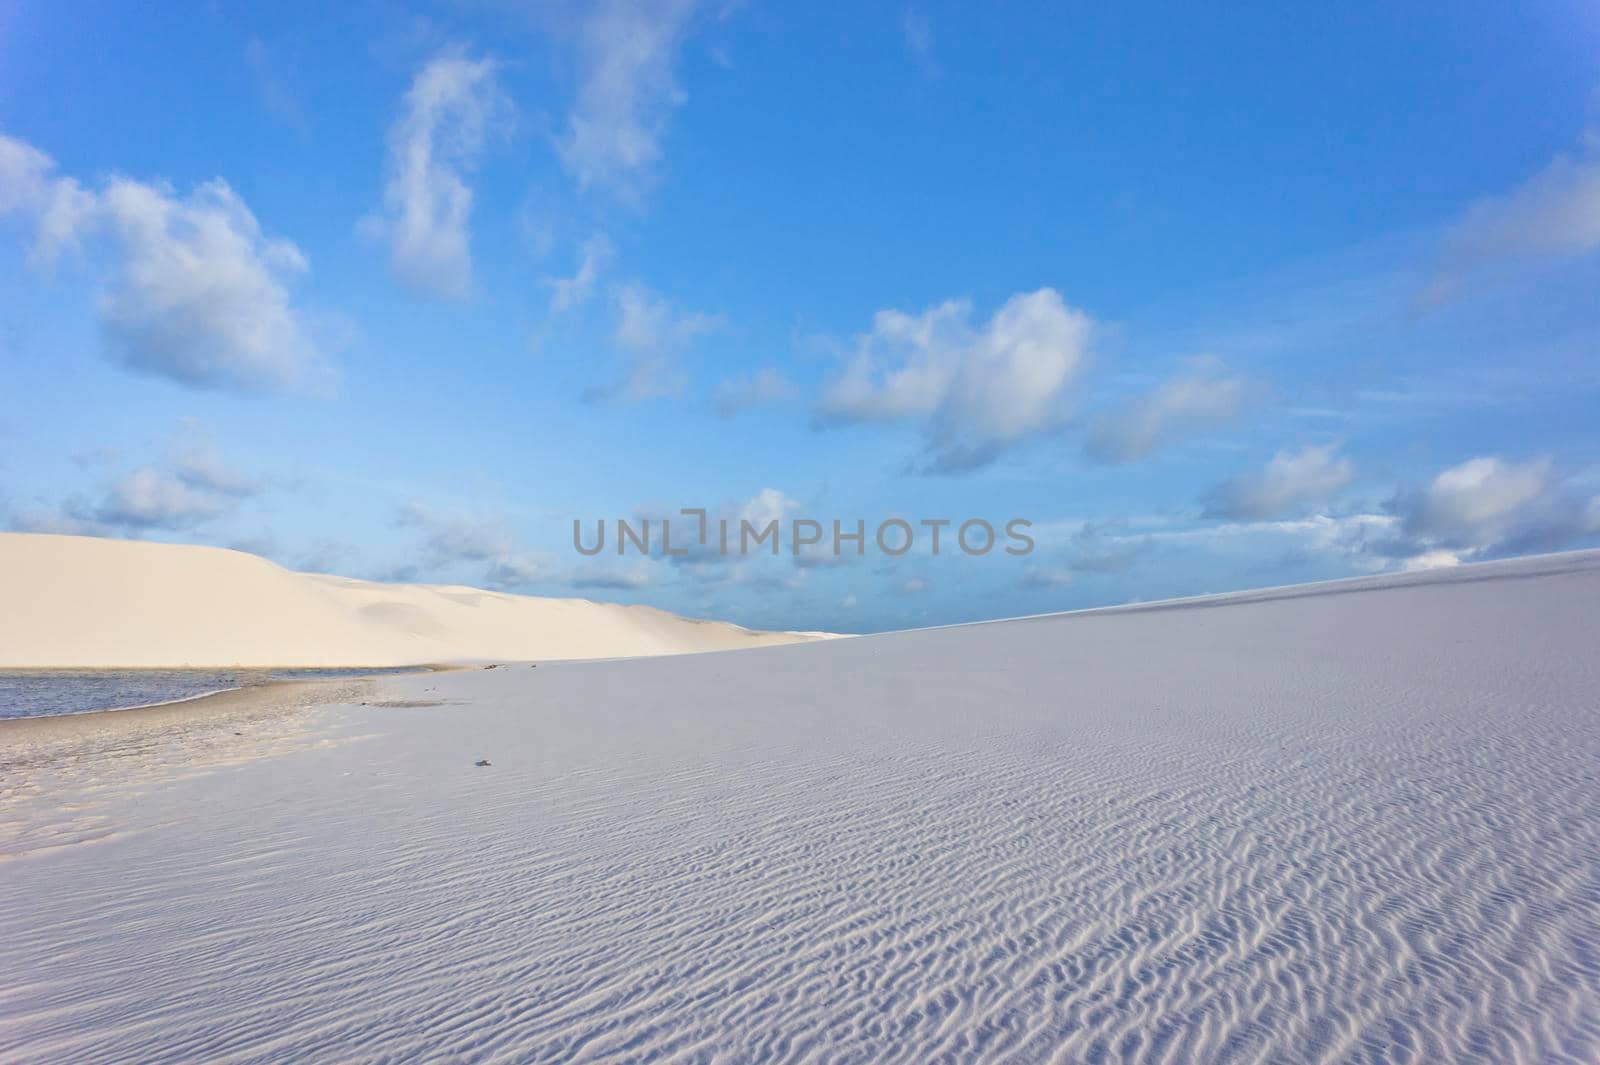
605, 577
627, 89
568, 293
1034, 577
276, 95
427, 204
451, 538
918, 34
1203, 396
651, 330
1556, 212
766, 385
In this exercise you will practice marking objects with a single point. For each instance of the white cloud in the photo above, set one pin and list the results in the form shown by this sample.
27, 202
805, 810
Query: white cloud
1485, 507
605, 577
1045, 577
977, 391
1309, 475
706, 560
24, 174
515, 571
149, 498
648, 322
449, 110
1202, 397
452, 540
194, 485
1556, 212
652, 330
58, 206
199, 294
276, 95
1437, 558
919, 42
142, 500
568, 293
454, 537
1350, 535
627, 88
201, 467
766, 385
1478, 498
325, 555
59, 521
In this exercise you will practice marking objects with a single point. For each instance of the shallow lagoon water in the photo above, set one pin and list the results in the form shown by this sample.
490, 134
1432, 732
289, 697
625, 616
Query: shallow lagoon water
46, 693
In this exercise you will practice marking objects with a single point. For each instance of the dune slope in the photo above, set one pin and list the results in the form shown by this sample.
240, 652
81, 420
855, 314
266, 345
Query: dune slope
76, 601
1347, 823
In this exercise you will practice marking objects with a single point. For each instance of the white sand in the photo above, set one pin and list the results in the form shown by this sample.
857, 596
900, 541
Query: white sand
73, 601
1351, 822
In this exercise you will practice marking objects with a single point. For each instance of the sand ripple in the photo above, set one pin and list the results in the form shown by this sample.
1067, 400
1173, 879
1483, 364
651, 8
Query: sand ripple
1353, 828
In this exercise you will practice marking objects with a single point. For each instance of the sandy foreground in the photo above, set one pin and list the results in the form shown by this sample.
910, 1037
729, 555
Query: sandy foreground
1348, 822
87, 602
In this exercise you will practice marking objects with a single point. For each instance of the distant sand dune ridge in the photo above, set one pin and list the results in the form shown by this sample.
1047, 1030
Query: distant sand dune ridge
1347, 823
74, 601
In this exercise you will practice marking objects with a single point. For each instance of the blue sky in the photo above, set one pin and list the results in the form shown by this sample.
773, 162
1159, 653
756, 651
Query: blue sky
1216, 299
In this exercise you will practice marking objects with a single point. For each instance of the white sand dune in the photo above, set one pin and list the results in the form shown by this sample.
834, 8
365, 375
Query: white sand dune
1356, 822
73, 601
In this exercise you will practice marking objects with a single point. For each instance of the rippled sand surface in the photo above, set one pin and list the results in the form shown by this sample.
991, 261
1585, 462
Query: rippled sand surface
1357, 822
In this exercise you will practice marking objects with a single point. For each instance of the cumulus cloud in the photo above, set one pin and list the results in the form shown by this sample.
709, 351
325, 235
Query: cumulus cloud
567, 293
197, 294
975, 390
1291, 479
766, 385
25, 175
1202, 397
59, 207
1477, 500
1488, 506
427, 204
196, 486
1554, 213
155, 499
201, 296
626, 54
